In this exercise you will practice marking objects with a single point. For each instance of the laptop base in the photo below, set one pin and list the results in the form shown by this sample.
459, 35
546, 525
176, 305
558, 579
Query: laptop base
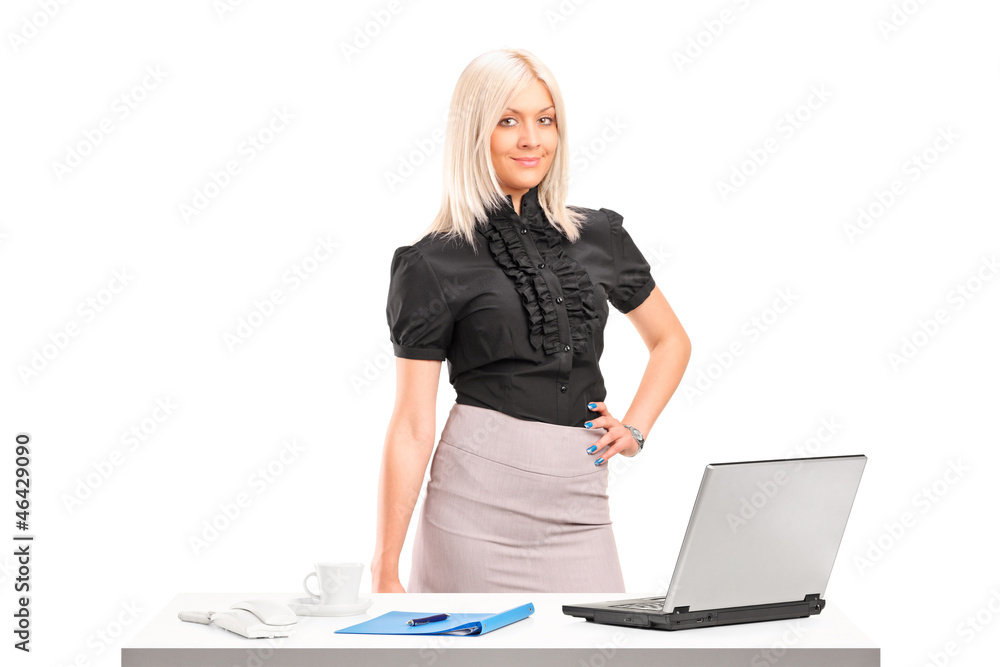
682, 619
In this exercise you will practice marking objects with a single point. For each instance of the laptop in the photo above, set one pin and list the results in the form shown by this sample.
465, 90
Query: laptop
760, 546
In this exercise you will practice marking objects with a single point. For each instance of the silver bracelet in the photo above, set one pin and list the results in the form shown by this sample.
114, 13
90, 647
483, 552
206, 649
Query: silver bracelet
637, 435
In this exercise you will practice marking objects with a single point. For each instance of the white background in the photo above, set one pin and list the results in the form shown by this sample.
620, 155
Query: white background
653, 137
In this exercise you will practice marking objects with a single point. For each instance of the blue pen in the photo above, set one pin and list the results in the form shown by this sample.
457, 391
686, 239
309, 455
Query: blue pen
427, 619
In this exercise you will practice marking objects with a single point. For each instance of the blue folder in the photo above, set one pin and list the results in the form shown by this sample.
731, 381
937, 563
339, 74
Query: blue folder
394, 623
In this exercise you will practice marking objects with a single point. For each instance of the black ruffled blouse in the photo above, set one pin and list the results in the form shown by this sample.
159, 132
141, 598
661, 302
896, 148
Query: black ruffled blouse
521, 323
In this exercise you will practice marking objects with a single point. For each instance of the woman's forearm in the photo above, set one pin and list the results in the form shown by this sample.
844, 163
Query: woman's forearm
404, 461
667, 361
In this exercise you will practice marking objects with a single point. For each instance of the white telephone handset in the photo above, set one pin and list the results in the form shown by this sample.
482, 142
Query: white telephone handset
251, 618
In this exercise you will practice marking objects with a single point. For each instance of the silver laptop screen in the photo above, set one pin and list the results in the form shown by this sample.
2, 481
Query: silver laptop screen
764, 532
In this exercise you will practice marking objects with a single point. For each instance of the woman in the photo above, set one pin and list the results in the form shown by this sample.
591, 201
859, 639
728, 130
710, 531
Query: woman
511, 287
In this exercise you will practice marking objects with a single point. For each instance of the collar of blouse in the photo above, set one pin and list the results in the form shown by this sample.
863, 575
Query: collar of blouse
507, 245
531, 210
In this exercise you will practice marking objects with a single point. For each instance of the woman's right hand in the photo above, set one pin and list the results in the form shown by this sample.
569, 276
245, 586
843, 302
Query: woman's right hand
388, 586
385, 582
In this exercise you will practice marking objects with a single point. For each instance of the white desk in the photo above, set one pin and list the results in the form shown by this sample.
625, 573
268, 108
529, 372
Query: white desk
548, 637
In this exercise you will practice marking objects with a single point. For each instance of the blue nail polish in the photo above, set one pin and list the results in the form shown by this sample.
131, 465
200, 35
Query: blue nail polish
588, 424
593, 448
591, 405
599, 461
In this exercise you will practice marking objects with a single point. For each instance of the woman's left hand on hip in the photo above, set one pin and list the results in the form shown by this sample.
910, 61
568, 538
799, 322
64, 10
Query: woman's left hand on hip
618, 437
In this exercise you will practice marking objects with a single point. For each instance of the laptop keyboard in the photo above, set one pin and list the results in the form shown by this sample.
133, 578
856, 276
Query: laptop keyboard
648, 604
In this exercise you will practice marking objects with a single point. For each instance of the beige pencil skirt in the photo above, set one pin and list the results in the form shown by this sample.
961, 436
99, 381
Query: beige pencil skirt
512, 506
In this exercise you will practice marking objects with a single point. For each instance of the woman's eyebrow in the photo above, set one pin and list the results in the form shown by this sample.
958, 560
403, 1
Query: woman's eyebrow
540, 110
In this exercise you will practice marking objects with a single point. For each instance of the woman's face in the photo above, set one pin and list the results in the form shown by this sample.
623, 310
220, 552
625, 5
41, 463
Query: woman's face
524, 141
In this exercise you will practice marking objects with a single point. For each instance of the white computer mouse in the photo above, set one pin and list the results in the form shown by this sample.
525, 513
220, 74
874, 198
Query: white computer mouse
269, 611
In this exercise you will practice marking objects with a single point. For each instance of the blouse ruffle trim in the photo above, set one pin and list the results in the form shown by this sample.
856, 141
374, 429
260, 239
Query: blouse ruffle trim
508, 250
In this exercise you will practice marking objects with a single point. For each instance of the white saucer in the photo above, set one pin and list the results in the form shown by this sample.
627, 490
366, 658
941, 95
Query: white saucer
310, 607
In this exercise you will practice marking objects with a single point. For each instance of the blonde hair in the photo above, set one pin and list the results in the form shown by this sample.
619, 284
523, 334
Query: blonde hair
471, 188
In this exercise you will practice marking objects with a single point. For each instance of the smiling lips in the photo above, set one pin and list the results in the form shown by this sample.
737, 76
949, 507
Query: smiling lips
527, 161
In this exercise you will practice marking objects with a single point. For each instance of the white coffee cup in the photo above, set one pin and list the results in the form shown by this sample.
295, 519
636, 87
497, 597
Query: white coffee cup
338, 583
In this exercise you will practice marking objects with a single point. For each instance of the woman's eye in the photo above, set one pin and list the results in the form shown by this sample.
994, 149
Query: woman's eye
550, 119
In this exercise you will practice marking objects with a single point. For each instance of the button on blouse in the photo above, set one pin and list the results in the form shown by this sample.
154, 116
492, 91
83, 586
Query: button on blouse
521, 322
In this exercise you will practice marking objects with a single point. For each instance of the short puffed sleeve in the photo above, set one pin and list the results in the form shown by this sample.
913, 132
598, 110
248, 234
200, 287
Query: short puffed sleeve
420, 322
633, 280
